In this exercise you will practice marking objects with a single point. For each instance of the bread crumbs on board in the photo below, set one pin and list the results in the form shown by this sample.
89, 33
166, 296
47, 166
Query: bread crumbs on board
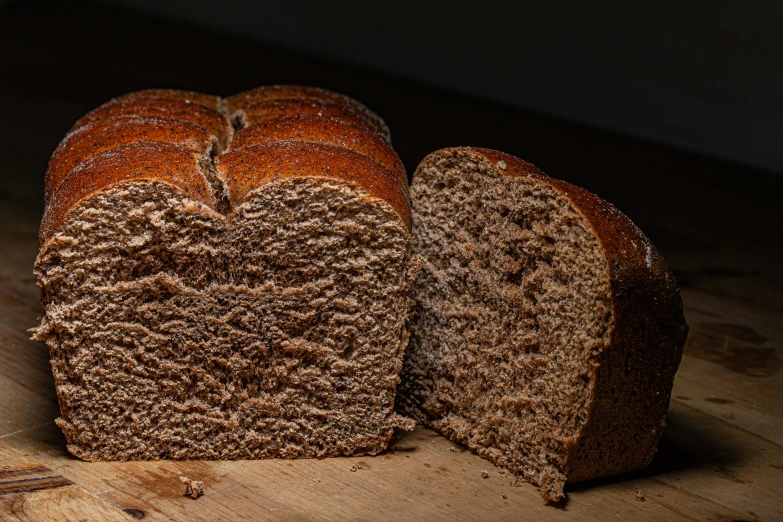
193, 488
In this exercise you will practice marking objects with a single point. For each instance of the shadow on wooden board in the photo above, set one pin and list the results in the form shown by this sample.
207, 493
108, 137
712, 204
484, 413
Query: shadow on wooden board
711, 451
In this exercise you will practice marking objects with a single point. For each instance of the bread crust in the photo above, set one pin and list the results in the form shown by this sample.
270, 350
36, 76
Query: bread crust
207, 100
322, 129
172, 136
212, 121
648, 335
247, 169
265, 111
151, 162
102, 135
244, 100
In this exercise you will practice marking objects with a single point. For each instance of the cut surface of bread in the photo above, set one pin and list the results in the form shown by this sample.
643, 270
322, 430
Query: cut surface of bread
546, 329
207, 306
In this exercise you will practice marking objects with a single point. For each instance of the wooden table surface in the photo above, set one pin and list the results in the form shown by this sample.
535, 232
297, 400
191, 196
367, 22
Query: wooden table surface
717, 224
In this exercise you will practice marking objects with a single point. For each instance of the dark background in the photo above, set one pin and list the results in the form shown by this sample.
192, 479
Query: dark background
553, 84
704, 76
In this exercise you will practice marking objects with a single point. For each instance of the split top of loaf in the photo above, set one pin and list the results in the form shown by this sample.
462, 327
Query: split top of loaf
547, 328
226, 278
205, 125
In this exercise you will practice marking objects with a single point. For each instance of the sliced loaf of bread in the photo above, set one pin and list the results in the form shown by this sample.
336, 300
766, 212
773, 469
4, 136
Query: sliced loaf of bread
546, 330
210, 305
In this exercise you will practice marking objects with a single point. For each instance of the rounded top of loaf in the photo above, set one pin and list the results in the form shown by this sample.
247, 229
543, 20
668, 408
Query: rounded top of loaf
247, 169
139, 162
207, 100
173, 136
102, 135
211, 120
322, 129
265, 111
243, 101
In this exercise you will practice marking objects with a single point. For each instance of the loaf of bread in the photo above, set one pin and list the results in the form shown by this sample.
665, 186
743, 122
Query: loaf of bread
547, 329
218, 285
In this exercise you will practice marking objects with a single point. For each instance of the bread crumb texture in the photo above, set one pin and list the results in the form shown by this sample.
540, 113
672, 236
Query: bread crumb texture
542, 338
187, 328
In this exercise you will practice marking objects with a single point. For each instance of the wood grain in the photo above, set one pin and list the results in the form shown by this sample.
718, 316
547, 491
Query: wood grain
24, 479
721, 457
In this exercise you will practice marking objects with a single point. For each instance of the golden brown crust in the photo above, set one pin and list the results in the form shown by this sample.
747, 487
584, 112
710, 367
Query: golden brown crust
243, 100
154, 162
264, 111
207, 100
321, 129
274, 92
247, 169
169, 134
646, 344
509, 165
211, 120
646, 347
102, 135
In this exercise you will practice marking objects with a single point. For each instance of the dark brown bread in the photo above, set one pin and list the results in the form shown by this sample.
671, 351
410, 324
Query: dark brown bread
214, 122
102, 135
148, 162
249, 168
547, 329
276, 92
273, 109
329, 99
325, 130
207, 306
190, 123
207, 100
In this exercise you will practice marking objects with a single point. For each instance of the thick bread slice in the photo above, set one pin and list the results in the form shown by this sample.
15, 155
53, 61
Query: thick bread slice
216, 123
244, 100
322, 129
102, 135
154, 162
547, 329
249, 305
